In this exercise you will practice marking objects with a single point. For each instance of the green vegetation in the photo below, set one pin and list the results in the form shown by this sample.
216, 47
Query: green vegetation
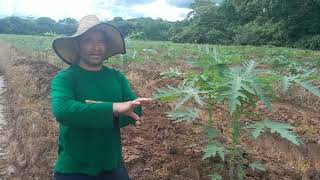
164, 52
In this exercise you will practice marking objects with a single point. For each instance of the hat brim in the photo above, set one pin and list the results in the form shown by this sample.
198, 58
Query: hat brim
67, 48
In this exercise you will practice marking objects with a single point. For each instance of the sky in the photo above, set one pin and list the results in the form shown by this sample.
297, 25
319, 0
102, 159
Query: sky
170, 10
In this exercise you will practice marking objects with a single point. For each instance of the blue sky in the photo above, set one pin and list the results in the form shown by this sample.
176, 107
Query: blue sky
171, 10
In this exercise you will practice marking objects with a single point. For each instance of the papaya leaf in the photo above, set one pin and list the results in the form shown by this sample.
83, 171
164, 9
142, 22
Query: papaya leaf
210, 132
172, 73
187, 114
213, 149
307, 85
256, 165
283, 129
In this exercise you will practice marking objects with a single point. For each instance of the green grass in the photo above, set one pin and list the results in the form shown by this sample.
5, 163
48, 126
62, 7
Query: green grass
28, 43
168, 52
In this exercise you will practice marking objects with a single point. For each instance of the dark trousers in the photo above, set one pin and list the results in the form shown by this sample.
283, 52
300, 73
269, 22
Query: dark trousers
119, 174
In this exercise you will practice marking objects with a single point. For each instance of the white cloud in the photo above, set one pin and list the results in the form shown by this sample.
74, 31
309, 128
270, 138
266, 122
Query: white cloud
104, 9
57, 9
161, 9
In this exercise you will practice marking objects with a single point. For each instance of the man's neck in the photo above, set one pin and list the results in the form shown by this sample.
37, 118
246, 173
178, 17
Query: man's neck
90, 68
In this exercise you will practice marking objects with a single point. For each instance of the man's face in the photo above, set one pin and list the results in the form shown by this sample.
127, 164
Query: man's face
92, 48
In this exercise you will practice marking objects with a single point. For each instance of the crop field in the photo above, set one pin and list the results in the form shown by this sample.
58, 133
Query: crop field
219, 112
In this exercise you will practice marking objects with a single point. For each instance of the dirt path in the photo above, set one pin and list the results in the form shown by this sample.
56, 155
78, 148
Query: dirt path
4, 168
3, 131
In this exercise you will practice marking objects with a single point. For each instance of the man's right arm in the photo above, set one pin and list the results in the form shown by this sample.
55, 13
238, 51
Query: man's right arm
72, 113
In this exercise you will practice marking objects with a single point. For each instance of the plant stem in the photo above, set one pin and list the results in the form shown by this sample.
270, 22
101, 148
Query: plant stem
210, 122
234, 150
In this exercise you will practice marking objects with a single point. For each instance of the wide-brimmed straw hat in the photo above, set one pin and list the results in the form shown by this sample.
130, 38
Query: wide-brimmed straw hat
67, 48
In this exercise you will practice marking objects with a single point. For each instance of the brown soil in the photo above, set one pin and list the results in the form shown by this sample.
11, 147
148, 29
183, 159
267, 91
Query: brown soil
156, 148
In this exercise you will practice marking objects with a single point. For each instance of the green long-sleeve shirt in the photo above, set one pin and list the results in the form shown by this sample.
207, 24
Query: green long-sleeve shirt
89, 135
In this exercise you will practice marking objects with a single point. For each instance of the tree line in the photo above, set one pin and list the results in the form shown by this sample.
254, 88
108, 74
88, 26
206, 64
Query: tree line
292, 23
140, 28
37, 26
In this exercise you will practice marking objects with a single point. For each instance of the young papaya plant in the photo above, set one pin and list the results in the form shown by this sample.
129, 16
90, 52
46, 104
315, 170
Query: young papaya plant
240, 88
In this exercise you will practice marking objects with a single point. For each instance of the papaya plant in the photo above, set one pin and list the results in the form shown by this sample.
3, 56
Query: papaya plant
239, 88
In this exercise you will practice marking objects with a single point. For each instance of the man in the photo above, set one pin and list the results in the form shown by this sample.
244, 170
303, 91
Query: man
92, 102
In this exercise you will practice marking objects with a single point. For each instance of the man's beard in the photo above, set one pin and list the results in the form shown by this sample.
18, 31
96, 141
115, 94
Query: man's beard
93, 62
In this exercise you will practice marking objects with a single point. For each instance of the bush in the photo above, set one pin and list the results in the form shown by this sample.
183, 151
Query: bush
308, 42
255, 33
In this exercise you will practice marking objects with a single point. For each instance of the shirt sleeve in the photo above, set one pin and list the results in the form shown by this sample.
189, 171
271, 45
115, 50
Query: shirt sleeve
128, 95
72, 113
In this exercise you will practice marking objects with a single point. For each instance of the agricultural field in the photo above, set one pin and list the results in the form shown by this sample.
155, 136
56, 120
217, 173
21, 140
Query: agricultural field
219, 112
